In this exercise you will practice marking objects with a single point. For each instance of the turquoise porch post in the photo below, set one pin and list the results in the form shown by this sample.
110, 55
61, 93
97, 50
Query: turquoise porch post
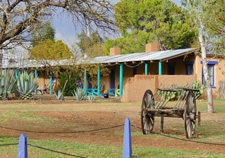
35, 81
51, 83
160, 68
121, 80
146, 68
98, 81
85, 81
16, 73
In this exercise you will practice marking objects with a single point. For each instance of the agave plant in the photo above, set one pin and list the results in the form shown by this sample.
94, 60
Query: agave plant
58, 95
7, 83
26, 85
91, 98
78, 94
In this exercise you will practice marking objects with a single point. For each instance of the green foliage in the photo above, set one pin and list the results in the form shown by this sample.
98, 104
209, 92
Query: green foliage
26, 85
197, 85
78, 94
7, 83
170, 95
91, 46
214, 19
42, 33
91, 98
130, 42
210, 15
143, 22
71, 84
178, 94
48, 50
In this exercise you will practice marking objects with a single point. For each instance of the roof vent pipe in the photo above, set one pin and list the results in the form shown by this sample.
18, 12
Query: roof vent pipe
152, 47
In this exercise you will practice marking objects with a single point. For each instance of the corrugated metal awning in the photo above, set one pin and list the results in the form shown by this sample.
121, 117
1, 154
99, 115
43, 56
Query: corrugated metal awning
146, 56
149, 56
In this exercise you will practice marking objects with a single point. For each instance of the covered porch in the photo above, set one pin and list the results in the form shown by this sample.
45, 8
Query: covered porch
124, 67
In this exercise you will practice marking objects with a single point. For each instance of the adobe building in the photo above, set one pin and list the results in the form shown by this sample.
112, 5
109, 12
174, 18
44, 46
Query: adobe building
132, 74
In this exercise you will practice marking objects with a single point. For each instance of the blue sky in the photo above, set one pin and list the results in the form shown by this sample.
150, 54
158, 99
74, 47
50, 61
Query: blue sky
66, 30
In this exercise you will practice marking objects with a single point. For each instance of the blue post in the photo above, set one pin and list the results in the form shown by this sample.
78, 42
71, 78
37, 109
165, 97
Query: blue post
98, 81
146, 68
85, 81
51, 83
35, 81
160, 68
127, 145
22, 149
121, 80
16, 73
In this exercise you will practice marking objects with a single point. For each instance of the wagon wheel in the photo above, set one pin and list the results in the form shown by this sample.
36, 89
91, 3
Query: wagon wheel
147, 118
190, 115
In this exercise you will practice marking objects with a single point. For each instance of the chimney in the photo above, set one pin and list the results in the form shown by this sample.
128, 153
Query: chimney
152, 47
114, 51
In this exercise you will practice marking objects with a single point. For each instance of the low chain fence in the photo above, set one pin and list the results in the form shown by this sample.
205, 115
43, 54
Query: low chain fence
127, 146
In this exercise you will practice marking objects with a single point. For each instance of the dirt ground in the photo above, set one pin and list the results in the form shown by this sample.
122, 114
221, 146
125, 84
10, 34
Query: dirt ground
73, 116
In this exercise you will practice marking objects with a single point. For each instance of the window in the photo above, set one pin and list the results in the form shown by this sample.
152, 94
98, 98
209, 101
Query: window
171, 68
189, 68
211, 70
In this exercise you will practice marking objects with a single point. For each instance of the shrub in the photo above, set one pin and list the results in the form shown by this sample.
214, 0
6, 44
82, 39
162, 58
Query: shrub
71, 84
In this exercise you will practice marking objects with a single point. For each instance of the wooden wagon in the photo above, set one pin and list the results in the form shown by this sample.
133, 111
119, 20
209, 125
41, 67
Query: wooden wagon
157, 105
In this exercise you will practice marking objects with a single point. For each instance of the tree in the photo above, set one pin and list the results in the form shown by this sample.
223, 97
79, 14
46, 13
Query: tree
142, 22
48, 50
71, 84
197, 11
214, 17
17, 17
42, 33
50, 55
91, 46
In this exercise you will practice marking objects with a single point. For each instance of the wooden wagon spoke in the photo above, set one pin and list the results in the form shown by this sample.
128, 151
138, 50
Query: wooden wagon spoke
191, 108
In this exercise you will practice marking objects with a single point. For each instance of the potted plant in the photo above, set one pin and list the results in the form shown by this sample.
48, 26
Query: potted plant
106, 95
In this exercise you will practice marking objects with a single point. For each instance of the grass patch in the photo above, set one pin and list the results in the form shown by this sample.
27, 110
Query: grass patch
93, 150
217, 108
26, 114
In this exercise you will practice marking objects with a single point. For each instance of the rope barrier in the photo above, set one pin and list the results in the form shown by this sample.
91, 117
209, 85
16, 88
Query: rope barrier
92, 130
181, 138
9, 144
59, 152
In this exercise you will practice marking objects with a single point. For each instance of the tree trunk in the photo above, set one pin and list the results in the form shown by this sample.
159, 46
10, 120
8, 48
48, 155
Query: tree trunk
63, 89
205, 69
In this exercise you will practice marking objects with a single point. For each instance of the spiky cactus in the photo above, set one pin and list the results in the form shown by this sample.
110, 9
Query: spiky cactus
91, 98
26, 85
78, 94
7, 82
58, 95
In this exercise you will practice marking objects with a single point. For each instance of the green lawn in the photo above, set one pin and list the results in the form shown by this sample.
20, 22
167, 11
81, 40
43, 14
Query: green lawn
93, 151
